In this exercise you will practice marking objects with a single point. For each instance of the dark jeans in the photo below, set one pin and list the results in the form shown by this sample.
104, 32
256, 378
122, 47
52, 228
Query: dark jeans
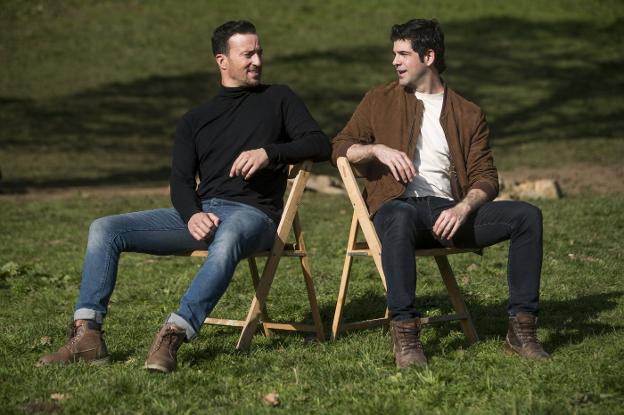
405, 224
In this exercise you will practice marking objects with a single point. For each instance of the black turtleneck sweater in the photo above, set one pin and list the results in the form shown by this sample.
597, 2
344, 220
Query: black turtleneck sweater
210, 137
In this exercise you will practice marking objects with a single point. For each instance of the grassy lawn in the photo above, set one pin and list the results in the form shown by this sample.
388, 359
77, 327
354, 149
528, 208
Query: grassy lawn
90, 92
582, 307
89, 95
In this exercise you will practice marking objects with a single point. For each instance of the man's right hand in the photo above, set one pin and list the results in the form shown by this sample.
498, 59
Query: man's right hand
202, 225
398, 162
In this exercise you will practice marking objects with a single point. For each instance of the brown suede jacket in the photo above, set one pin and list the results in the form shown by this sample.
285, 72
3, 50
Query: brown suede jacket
391, 115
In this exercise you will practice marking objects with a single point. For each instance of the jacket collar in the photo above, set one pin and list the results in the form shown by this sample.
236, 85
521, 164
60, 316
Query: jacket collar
411, 97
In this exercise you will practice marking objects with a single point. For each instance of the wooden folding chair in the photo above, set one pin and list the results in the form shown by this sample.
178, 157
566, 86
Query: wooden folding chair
371, 247
262, 284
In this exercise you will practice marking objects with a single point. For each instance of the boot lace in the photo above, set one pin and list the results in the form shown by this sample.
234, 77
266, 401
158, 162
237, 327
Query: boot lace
409, 339
170, 335
526, 331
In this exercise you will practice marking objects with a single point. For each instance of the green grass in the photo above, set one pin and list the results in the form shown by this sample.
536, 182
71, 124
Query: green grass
89, 95
90, 92
582, 307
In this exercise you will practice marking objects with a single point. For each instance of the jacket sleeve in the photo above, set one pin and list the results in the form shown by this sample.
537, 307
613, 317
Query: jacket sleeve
183, 169
358, 130
306, 139
482, 173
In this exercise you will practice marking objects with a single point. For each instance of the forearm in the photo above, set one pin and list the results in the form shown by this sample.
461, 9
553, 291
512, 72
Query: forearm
361, 153
475, 198
184, 199
313, 146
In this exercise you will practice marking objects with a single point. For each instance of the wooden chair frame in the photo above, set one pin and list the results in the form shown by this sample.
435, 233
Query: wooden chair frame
257, 313
371, 247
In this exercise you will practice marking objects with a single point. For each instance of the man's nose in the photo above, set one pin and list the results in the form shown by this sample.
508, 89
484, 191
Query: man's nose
395, 61
256, 60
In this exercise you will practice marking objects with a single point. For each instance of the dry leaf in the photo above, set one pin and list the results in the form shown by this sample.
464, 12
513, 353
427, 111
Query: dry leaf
472, 267
271, 399
45, 341
58, 397
465, 279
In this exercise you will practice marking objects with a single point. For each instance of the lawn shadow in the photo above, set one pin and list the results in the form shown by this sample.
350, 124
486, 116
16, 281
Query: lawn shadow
567, 321
498, 62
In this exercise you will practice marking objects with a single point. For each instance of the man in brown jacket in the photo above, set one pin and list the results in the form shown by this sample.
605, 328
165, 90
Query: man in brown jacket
430, 183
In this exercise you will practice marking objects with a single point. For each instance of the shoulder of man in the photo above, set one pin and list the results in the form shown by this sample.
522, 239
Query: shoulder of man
389, 89
463, 105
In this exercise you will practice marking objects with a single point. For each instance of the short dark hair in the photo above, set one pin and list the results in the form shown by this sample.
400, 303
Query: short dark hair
424, 35
228, 29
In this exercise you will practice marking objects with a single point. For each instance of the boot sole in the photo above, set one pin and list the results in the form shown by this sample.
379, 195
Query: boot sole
97, 362
511, 351
155, 367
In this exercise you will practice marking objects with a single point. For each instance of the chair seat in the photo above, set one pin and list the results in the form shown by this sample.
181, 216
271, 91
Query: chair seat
290, 250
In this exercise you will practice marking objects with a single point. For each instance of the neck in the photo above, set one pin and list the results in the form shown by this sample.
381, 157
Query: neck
430, 84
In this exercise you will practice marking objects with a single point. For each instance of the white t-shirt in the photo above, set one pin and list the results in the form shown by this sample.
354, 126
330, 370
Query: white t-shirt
432, 158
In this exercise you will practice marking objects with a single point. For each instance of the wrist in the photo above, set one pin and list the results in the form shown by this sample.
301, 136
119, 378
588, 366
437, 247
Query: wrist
374, 151
463, 207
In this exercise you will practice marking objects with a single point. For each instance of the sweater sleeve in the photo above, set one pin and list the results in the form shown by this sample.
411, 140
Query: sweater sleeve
183, 170
306, 139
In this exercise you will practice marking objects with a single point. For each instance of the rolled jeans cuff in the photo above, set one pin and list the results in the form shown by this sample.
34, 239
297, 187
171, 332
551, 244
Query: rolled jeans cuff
88, 314
174, 318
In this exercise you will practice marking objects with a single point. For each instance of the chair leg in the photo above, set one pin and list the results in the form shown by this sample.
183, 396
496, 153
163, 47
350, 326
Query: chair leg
342, 296
344, 279
262, 292
457, 300
255, 277
307, 277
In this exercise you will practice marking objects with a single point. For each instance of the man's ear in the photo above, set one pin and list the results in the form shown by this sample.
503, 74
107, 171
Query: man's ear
222, 61
429, 57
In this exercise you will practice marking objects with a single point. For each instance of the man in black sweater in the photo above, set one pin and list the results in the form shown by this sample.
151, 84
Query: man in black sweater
239, 144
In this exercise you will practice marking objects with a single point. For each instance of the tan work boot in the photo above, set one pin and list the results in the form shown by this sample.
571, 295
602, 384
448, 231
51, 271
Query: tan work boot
407, 348
85, 342
522, 337
162, 354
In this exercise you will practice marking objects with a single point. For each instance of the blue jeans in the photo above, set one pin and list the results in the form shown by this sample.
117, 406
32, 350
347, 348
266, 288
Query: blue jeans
405, 224
243, 230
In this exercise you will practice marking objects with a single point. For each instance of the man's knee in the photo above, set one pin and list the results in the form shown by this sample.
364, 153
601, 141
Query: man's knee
395, 222
104, 230
395, 215
528, 216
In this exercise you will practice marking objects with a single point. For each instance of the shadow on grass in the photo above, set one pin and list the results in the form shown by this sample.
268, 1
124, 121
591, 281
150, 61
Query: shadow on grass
537, 82
567, 321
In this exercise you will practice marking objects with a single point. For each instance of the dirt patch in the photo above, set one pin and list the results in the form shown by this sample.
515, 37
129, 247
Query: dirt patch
572, 179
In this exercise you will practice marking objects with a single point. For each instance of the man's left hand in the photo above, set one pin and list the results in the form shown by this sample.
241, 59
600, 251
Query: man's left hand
249, 162
450, 220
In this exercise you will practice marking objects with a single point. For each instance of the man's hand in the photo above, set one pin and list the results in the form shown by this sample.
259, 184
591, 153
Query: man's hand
249, 162
450, 220
400, 165
202, 225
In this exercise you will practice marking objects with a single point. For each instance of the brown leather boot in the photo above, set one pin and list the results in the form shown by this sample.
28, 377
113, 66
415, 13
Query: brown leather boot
162, 354
85, 342
522, 337
407, 348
